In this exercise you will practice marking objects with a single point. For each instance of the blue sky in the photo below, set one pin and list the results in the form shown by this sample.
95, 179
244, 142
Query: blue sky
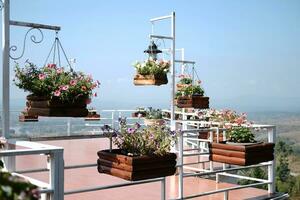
247, 52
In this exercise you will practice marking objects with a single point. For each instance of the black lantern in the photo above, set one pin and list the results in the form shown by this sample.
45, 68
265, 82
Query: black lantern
152, 50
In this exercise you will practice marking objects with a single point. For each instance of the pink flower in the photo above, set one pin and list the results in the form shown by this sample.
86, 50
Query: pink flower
73, 82
51, 65
60, 70
95, 94
57, 93
64, 87
199, 81
88, 101
83, 88
42, 76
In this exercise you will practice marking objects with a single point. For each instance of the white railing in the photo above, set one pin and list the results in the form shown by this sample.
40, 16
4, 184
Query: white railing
188, 136
55, 188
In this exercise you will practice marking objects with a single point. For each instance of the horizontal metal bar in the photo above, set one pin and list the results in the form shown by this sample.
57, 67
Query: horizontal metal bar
225, 170
81, 166
91, 189
161, 37
21, 152
195, 169
160, 18
34, 25
185, 61
45, 190
26, 171
38, 183
196, 154
221, 190
243, 177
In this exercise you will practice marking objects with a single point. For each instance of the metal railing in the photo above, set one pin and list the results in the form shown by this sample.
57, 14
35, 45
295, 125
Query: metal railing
187, 137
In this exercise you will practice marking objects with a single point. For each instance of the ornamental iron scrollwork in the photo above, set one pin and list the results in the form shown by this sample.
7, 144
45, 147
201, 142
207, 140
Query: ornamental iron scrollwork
33, 38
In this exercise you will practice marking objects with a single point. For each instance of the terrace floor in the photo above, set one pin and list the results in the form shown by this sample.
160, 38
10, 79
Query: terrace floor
84, 151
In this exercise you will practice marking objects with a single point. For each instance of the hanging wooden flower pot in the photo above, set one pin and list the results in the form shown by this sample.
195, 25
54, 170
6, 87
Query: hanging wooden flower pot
137, 167
193, 101
205, 135
150, 79
42, 106
241, 154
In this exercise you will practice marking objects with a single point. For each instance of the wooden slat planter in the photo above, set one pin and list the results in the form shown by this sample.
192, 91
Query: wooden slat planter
139, 114
150, 79
194, 101
135, 168
205, 135
42, 106
241, 154
27, 118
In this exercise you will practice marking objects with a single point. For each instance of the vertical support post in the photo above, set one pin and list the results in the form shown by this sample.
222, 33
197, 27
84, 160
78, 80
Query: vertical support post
211, 139
5, 69
113, 119
57, 175
180, 164
271, 168
163, 188
173, 72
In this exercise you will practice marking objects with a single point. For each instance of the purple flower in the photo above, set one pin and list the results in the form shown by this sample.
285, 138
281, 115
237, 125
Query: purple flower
130, 130
137, 125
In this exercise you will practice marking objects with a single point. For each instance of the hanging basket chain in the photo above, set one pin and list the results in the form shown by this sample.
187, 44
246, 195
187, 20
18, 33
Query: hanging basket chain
58, 46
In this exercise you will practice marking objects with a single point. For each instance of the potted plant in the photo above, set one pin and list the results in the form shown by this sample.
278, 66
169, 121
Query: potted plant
142, 153
185, 81
192, 96
241, 148
153, 117
25, 117
92, 115
55, 91
151, 72
140, 112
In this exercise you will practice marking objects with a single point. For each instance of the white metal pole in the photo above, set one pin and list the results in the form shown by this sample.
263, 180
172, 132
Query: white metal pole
173, 73
5, 69
271, 168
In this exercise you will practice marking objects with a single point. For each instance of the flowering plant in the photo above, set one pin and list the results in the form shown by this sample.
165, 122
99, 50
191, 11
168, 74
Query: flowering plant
137, 141
241, 134
52, 81
185, 79
190, 90
153, 113
152, 67
225, 116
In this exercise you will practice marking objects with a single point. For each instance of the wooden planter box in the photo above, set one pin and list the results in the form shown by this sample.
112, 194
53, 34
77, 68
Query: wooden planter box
92, 116
27, 118
241, 154
151, 122
139, 113
194, 101
205, 136
136, 168
150, 79
42, 106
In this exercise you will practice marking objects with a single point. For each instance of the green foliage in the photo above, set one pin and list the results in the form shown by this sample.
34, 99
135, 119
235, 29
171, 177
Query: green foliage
135, 141
190, 90
186, 80
257, 172
153, 113
240, 134
152, 67
52, 81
